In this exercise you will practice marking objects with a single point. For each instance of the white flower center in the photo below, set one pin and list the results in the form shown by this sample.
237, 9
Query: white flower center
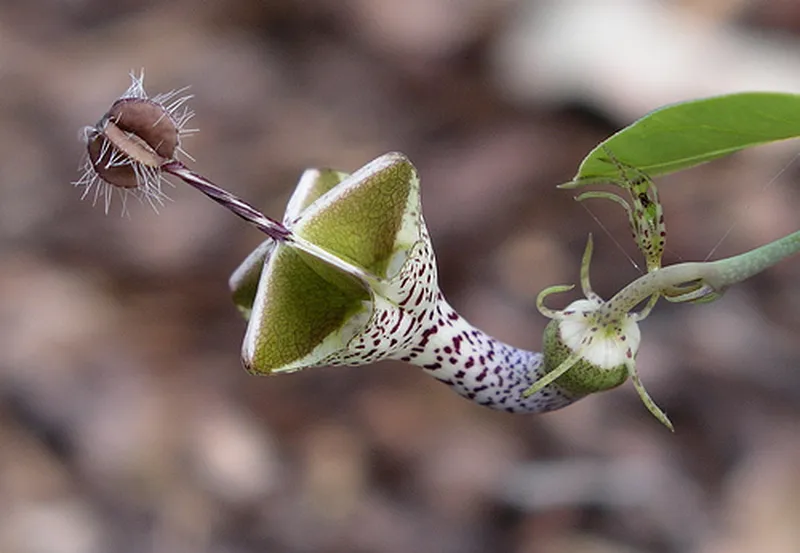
605, 345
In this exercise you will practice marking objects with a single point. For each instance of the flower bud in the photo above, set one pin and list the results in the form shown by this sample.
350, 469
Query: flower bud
601, 351
591, 345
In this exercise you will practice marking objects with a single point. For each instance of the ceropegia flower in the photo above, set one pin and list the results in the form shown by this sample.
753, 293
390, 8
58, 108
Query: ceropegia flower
349, 276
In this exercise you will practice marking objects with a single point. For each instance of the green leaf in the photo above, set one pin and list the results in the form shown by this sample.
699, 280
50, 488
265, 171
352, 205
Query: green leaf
683, 135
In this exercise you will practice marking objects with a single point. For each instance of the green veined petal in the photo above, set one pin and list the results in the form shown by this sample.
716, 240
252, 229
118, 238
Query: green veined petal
303, 311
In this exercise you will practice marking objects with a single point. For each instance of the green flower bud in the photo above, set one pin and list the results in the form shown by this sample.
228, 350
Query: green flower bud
602, 350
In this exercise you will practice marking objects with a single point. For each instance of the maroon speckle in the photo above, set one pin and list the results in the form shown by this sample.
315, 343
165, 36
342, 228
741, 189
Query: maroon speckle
420, 296
427, 333
396, 325
404, 301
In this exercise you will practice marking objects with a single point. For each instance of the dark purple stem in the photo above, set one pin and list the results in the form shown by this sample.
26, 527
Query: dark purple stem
267, 225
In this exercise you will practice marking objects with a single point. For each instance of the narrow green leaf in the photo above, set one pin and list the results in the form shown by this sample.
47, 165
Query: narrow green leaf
682, 135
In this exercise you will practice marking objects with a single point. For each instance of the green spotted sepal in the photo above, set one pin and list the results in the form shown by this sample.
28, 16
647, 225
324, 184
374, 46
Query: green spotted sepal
309, 299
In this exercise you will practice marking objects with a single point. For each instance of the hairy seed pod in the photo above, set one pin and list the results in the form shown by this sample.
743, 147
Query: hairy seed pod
135, 135
130, 145
150, 122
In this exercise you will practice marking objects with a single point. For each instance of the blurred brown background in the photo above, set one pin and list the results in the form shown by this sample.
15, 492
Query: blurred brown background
126, 421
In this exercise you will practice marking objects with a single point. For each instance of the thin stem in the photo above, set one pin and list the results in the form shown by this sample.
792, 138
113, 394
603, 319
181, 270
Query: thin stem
741, 267
267, 225
696, 281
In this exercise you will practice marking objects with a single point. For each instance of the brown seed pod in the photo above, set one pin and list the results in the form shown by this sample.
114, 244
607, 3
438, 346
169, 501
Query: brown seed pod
149, 121
134, 135
131, 142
